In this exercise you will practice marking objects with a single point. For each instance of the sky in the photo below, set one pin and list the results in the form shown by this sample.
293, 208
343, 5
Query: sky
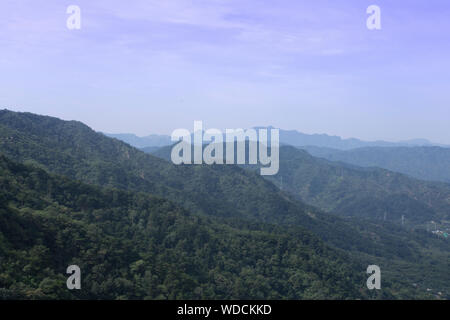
144, 66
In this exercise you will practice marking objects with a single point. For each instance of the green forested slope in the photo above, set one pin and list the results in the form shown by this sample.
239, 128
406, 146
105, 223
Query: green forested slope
135, 246
363, 192
354, 191
407, 252
228, 193
426, 163
73, 149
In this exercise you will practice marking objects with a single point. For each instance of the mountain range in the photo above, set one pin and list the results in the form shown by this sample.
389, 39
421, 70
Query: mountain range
153, 140
426, 163
350, 190
417, 158
136, 246
244, 217
290, 137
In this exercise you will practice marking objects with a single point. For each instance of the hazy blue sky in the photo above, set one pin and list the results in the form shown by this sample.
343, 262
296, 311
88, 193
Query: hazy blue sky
146, 67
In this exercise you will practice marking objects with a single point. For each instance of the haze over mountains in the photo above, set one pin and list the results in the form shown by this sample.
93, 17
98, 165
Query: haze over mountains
231, 205
152, 140
427, 162
291, 137
417, 158
364, 192
355, 191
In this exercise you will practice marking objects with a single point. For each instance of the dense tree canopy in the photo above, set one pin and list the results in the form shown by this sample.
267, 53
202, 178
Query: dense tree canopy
141, 227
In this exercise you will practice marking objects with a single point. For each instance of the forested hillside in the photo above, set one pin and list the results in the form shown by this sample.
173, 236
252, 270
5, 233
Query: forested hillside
135, 246
426, 163
397, 247
349, 190
364, 192
236, 197
74, 150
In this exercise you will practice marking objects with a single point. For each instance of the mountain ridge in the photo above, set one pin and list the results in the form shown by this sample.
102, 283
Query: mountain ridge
290, 137
223, 192
347, 189
136, 246
426, 163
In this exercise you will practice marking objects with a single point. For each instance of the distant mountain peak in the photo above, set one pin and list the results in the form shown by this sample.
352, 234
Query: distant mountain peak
290, 137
